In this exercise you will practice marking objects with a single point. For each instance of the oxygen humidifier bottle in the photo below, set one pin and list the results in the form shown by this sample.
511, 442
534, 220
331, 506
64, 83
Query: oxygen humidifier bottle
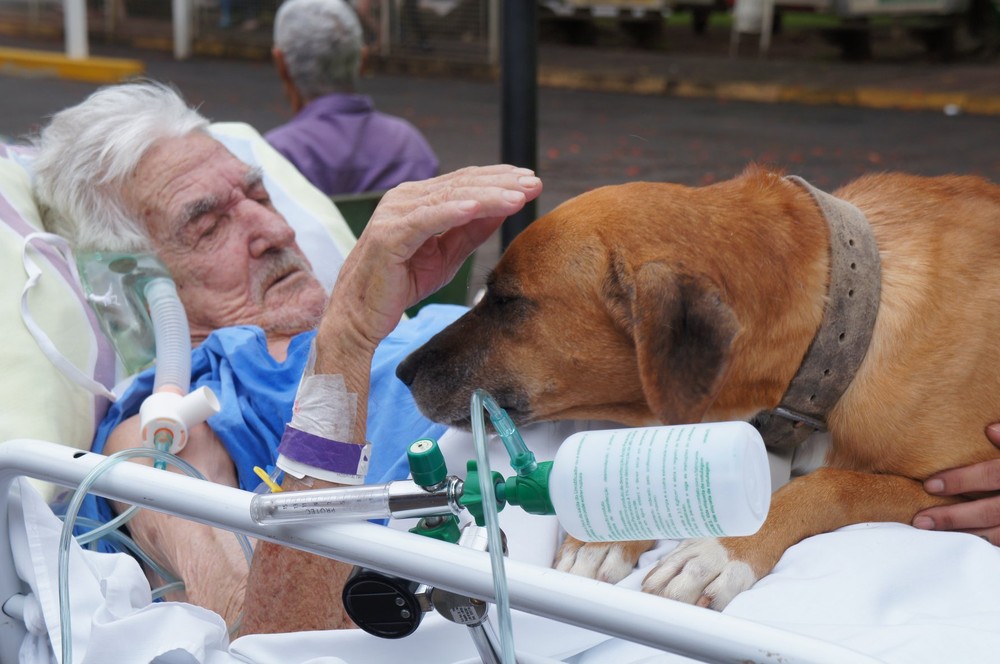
666, 482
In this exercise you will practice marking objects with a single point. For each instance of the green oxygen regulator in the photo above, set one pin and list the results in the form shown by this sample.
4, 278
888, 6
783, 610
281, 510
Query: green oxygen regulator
392, 607
708, 479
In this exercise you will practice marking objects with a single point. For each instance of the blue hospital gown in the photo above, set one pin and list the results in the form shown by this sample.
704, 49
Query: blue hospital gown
256, 393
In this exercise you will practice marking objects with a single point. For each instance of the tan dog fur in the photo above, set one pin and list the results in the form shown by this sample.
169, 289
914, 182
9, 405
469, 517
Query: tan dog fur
656, 303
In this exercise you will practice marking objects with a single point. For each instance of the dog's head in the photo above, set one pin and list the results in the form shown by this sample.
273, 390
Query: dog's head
585, 317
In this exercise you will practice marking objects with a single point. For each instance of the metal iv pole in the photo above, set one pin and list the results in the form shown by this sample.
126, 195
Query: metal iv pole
518, 99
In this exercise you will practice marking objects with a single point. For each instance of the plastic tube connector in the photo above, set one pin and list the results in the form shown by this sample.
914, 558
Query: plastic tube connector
522, 459
168, 413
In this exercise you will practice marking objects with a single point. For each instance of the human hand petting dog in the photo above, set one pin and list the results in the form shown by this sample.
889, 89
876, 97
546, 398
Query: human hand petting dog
419, 236
979, 517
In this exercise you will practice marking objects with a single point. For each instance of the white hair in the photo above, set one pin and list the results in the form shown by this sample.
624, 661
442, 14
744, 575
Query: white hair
321, 41
87, 152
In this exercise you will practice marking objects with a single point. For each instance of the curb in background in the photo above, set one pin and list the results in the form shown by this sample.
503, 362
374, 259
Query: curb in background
27, 62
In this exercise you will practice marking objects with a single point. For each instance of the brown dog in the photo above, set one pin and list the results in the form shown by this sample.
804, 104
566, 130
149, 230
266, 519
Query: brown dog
655, 303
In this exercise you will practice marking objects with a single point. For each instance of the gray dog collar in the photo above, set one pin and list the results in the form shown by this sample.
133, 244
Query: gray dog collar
844, 334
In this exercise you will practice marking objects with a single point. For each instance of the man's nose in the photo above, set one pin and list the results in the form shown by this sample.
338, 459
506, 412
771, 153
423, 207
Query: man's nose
268, 229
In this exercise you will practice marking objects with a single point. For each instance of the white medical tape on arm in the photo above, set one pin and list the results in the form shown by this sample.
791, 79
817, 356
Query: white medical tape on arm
323, 418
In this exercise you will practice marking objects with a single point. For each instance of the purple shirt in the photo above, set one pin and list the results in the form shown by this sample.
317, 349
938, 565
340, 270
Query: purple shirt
343, 145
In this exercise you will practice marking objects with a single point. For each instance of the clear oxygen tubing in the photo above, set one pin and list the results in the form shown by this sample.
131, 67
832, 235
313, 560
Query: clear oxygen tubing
171, 582
491, 513
105, 529
69, 522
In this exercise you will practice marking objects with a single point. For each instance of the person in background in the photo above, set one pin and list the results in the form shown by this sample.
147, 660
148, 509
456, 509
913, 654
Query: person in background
337, 139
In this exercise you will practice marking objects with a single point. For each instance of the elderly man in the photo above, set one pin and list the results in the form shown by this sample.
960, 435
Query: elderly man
337, 139
133, 168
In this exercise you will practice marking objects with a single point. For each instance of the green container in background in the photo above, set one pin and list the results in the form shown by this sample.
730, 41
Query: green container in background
357, 209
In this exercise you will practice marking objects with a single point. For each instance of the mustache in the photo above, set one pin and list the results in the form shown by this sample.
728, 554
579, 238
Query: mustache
279, 264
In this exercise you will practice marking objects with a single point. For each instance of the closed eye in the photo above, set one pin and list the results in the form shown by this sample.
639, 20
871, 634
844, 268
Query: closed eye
500, 290
500, 299
254, 186
207, 227
506, 308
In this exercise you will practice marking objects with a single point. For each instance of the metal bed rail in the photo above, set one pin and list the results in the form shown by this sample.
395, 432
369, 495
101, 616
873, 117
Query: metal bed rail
638, 617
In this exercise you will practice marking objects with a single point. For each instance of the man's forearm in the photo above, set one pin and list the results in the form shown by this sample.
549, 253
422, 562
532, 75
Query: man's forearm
290, 590
339, 350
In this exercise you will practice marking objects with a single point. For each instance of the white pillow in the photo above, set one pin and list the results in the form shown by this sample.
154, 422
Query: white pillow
36, 399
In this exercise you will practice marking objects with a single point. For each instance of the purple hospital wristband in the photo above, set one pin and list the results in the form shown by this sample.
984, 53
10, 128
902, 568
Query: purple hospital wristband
325, 458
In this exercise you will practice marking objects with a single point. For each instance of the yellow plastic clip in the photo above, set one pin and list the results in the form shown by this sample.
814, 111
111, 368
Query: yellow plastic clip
262, 474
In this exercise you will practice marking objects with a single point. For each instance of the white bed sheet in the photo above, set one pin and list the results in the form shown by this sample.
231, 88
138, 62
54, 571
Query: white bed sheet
886, 590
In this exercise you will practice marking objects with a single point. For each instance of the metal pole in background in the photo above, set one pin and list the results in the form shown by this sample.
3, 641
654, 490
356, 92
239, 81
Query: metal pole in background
182, 13
75, 27
518, 99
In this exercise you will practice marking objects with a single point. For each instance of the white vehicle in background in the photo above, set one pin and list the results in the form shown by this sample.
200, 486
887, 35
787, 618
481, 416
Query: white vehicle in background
641, 20
935, 23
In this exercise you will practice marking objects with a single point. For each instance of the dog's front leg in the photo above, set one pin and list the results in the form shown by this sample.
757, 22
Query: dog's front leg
604, 561
711, 572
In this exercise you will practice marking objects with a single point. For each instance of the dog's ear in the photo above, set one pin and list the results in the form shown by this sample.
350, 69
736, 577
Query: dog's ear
683, 333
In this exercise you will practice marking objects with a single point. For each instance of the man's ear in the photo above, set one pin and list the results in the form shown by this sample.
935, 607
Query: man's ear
291, 90
683, 334
279, 62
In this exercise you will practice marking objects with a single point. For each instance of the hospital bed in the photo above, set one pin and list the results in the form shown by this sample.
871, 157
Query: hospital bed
869, 592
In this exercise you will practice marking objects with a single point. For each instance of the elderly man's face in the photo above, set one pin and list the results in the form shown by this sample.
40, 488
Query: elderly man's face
233, 257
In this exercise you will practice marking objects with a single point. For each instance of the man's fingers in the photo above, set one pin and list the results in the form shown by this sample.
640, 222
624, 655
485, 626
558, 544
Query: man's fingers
975, 515
494, 194
978, 477
471, 176
409, 223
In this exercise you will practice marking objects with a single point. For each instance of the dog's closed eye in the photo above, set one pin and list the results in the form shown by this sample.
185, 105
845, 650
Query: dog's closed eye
500, 299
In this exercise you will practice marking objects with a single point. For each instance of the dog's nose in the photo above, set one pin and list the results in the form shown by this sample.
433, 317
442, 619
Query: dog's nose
406, 370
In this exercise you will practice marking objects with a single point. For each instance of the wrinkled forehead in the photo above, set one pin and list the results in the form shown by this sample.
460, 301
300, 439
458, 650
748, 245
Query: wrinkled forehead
177, 173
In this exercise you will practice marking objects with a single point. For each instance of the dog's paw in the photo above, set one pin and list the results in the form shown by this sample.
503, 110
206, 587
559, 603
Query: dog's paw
604, 561
702, 572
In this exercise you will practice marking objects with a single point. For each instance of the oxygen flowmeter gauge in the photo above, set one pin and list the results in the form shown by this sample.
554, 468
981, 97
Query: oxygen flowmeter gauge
388, 606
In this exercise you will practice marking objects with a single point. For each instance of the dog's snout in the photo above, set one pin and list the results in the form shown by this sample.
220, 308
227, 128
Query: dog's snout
406, 370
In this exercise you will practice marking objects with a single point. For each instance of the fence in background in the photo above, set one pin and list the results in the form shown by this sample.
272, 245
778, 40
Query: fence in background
462, 30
